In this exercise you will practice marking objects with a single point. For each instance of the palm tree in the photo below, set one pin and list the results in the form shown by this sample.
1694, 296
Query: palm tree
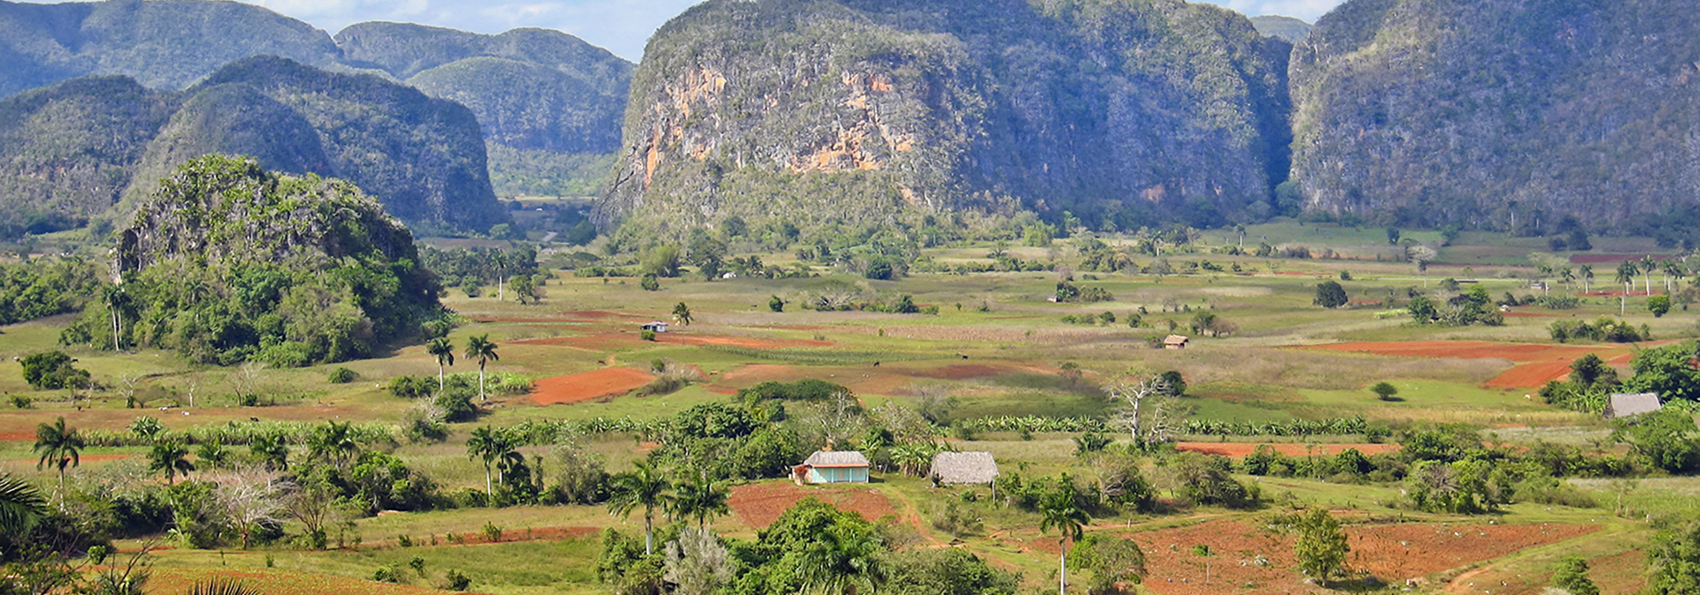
1569, 278
1647, 266
1587, 276
333, 442
212, 455
643, 486
682, 314
20, 505
59, 444
115, 300
699, 500
444, 351
271, 450
170, 457
499, 261
1059, 512
1672, 270
480, 348
489, 445
845, 561
1626, 275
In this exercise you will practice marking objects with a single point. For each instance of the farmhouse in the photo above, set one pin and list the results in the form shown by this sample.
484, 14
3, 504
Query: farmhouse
656, 326
964, 468
1176, 342
1625, 405
827, 466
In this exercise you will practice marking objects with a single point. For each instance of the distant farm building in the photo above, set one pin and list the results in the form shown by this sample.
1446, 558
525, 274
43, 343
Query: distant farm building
964, 468
1626, 405
1176, 342
828, 466
656, 326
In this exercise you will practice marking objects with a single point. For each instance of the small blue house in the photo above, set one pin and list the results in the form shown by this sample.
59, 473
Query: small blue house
828, 466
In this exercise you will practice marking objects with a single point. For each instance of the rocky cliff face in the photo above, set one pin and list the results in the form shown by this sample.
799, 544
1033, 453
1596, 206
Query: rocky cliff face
1499, 114
1121, 112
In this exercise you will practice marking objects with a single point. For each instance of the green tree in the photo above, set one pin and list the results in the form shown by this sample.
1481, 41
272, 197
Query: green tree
1659, 305
271, 451
682, 314
1673, 561
171, 458
482, 349
21, 505
700, 499
1393, 236
444, 351
59, 445
1384, 391
1571, 575
1647, 265
212, 455
333, 442
1330, 294
1321, 548
1111, 559
1058, 511
525, 289
776, 304
52, 370
650, 283
661, 261
644, 486
491, 446
1586, 273
1665, 438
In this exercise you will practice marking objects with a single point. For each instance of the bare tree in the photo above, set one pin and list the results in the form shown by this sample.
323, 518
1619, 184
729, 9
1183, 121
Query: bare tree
1131, 396
251, 496
192, 383
837, 419
906, 424
313, 503
246, 382
127, 388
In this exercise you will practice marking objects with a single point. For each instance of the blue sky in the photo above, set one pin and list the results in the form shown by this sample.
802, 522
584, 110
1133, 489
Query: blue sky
622, 26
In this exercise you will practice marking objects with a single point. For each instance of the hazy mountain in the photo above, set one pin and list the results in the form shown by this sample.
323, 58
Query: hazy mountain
820, 111
71, 151
1492, 113
1287, 28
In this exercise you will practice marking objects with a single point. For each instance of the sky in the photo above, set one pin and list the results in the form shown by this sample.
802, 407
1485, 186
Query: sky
621, 26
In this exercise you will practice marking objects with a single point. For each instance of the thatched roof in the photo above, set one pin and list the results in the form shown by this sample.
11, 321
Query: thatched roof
1625, 405
965, 468
836, 458
1175, 340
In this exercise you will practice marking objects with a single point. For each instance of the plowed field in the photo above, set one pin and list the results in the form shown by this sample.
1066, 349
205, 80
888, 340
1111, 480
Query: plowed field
578, 388
758, 505
1538, 363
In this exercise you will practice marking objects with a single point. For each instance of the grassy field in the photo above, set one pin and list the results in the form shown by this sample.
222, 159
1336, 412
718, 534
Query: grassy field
996, 347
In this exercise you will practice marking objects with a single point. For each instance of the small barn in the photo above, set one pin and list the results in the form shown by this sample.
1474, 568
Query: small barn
964, 468
1626, 405
832, 466
1176, 342
656, 326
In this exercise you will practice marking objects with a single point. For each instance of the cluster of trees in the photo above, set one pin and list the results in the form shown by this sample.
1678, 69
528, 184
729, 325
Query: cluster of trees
1667, 371
1467, 308
473, 269
1068, 292
1604, 329
45, 287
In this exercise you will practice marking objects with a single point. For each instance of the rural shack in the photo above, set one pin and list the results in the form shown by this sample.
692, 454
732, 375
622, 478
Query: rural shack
964, 468
828, 466
1625, 405
1176, 342
657, 327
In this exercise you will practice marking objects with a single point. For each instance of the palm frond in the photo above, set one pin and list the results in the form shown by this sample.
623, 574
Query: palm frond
20, 504
221, 587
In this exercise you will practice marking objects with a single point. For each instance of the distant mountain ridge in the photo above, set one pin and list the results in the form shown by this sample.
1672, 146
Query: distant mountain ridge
1287, 29
84, 149
552, 102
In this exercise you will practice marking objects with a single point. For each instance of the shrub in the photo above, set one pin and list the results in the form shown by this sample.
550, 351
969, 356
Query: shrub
647, 335
1384, 391
52, 370
650, 283
343, 376
457, 581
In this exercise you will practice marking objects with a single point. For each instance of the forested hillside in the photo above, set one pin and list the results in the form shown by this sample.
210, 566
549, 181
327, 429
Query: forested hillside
1121, 112
551, 102
1500, 114
72, 151
163, 44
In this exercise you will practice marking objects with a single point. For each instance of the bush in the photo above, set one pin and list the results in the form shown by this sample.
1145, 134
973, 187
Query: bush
52, 370
343, 376
649, 283
457, 581
647, 335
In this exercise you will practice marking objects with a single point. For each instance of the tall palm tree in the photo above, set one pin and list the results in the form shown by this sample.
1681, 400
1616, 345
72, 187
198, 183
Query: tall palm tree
699, 500
480, 348
682, 314
1672, 270
644, 486
499, 261
1569, 278
60, 445
271, 450
444, 350
1626, 275
1059, 512
20, 505
1647, 265
334, 442
1587, 274
170, 457
116, 300
846, 560
489, 446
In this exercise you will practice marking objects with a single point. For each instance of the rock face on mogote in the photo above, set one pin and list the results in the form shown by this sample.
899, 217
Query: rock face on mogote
70, 152
854, 110
1499, 113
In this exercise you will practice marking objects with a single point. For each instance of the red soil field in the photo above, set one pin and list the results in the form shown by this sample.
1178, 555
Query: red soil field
1539, 363
758, 505
1247, 560
1239, 449
17, 436
578, 388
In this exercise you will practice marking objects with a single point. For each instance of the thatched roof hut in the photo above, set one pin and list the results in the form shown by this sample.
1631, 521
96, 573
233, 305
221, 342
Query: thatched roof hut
964, 468
1625, 405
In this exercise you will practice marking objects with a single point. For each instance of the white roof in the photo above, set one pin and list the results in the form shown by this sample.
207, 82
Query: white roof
1625, 405
836, 458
